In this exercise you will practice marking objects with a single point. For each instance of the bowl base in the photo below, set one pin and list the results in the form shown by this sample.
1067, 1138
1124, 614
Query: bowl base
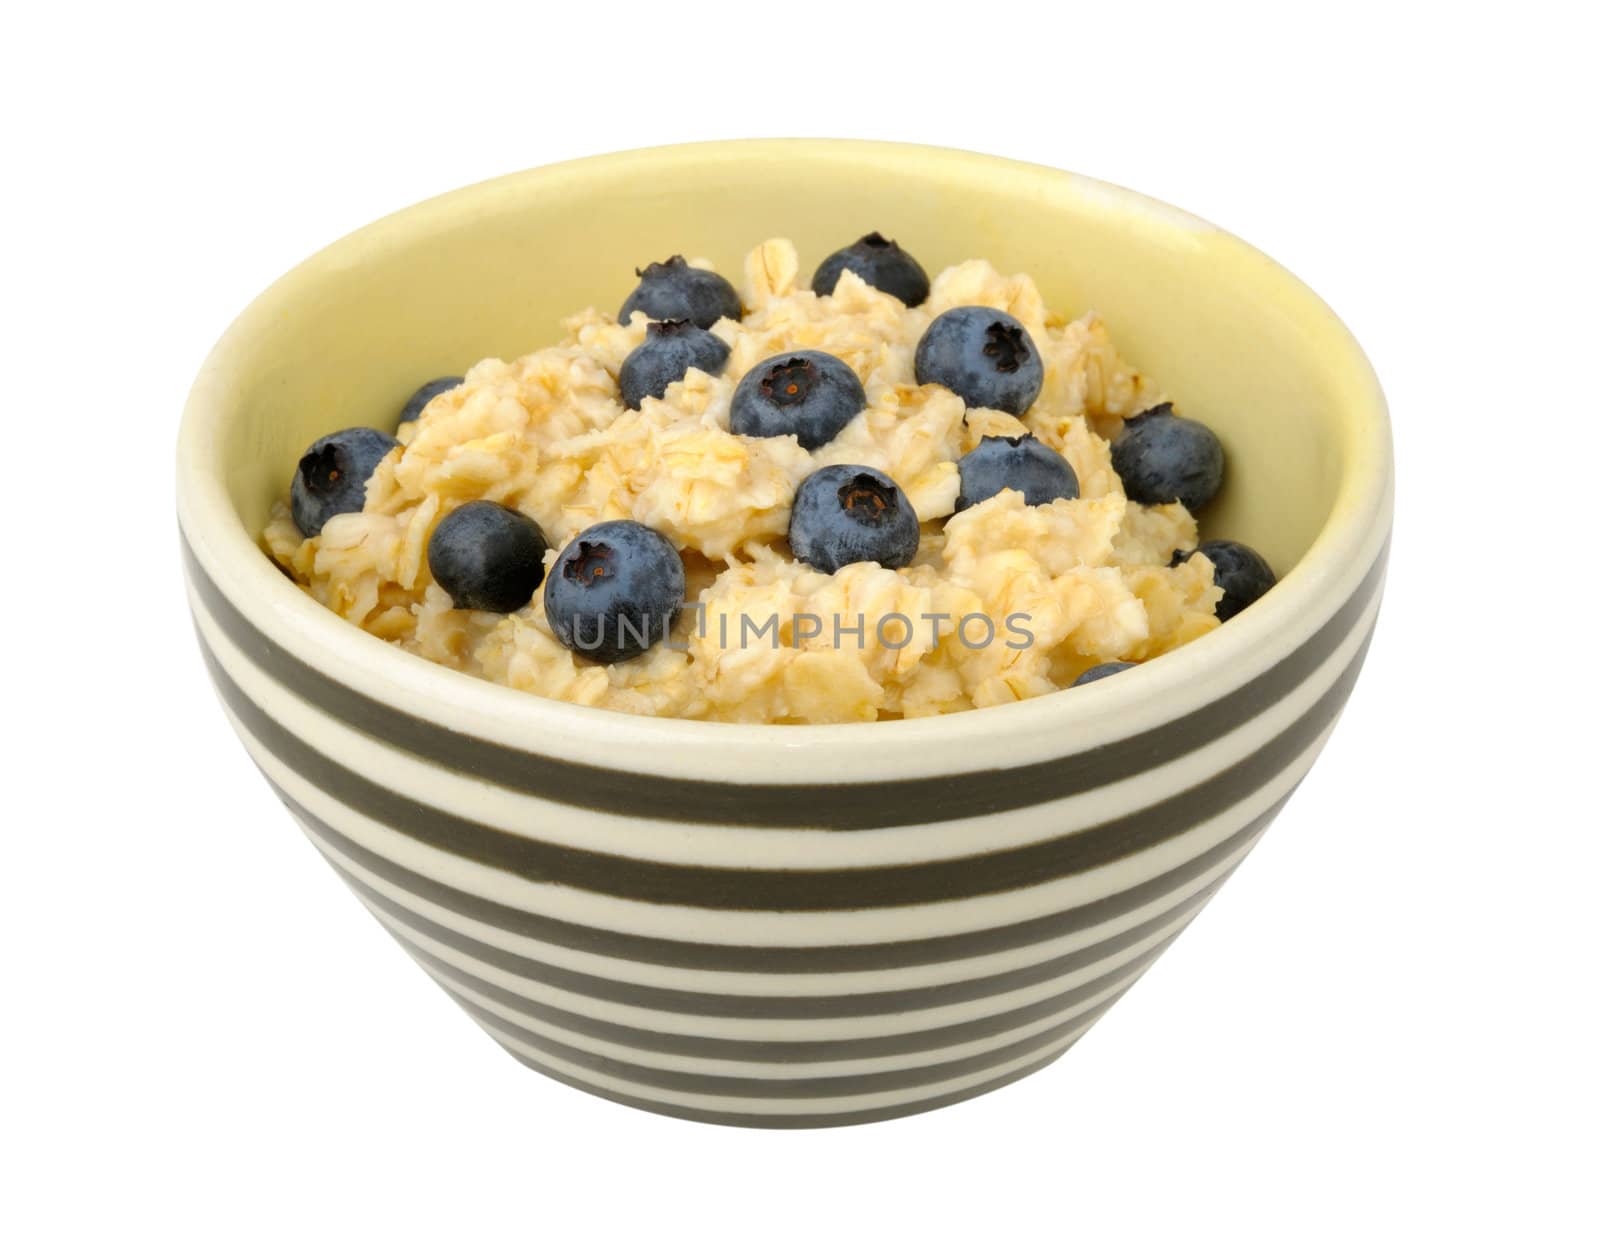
792, 1121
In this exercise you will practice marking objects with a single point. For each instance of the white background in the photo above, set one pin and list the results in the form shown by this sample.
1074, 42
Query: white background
1381, 1036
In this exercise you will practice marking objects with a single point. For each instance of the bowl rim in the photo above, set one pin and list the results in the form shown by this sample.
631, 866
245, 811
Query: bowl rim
1352, 539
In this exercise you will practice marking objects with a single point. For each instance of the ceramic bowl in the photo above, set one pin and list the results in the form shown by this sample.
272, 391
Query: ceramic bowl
787, 925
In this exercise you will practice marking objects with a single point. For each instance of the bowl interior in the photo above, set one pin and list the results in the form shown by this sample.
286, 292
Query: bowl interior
491, 270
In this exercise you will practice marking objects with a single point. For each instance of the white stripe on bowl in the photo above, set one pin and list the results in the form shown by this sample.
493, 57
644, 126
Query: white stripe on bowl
756, 848
785, 1029
772, 928
723, 1067
746, 982
800, 1106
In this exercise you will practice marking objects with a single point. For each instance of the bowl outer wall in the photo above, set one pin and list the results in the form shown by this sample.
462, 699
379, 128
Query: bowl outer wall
1350, 414
805, 960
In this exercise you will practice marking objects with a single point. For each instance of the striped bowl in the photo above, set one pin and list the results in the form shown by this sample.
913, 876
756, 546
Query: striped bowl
787, 925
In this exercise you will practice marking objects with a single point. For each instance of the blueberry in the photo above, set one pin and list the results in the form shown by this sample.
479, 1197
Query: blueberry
614, 591
810, 395
669, 351
674, 290
421, 396
848, 513
983, 355
1162, 457
332, 476
488, 557
879, 263
1022, 463
1239, 570
1096, 672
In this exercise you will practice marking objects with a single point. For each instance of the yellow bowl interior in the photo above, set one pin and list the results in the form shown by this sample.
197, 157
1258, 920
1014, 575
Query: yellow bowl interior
491, 270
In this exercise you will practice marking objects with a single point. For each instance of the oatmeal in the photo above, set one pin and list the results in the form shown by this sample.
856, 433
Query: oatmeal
999, 600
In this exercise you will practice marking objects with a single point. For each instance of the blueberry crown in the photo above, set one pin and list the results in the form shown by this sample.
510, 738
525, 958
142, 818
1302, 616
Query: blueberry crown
657, 268
866, 498
1007, 345
789, 382
588, 564
322, 467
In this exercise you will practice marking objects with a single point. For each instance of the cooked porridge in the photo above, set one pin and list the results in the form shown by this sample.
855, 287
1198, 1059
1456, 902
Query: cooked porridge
914, 501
